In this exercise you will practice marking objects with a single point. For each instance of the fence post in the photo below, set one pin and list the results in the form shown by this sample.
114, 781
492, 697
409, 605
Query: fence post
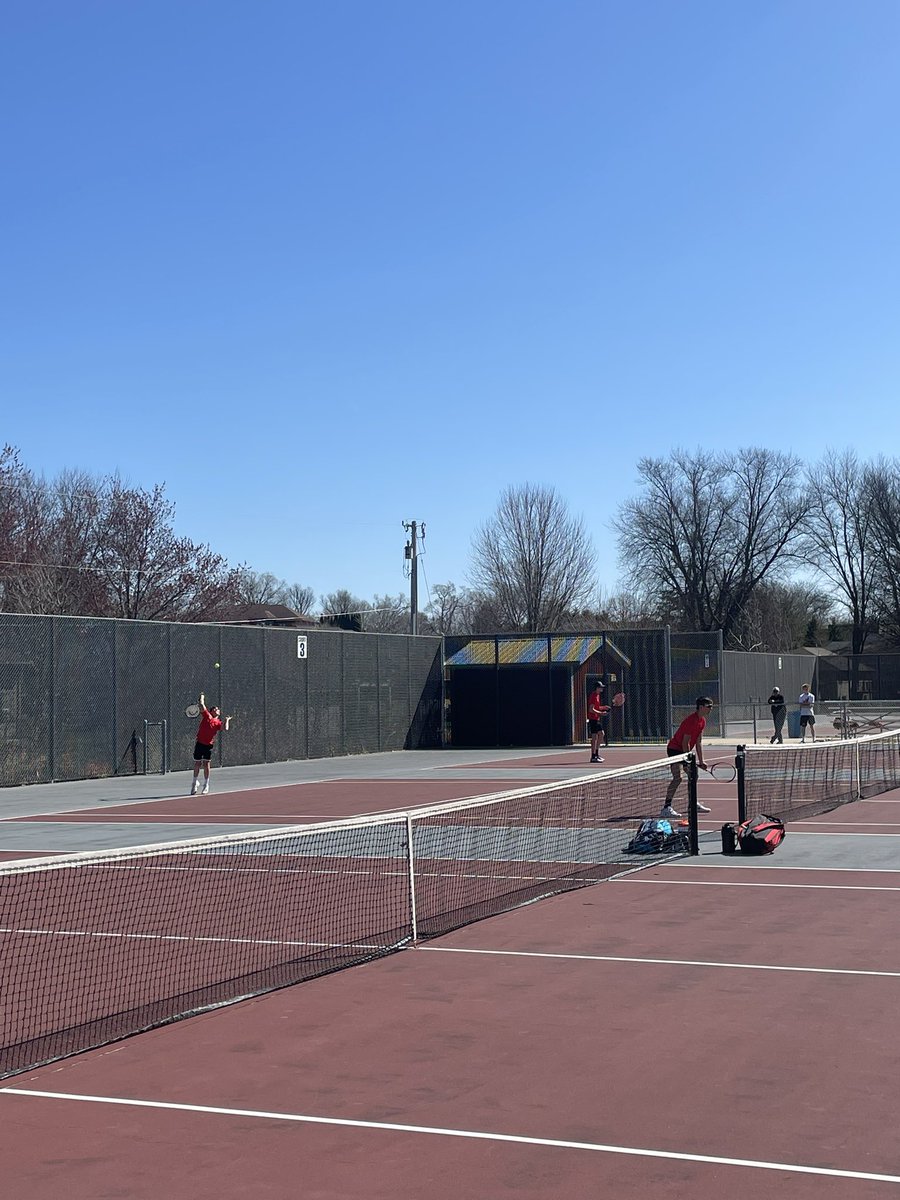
740, 764
413, 917
693, 817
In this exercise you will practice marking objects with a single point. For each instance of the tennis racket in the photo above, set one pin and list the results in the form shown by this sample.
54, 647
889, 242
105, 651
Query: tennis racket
618, 699
723, 770
192, 710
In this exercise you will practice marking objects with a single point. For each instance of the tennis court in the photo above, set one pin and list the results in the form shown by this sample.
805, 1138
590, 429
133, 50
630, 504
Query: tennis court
705, 1026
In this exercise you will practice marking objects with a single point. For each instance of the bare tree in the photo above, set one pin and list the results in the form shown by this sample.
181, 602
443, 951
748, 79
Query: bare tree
300, 599
444, 609
387, 614
48, 540
89, 546
343, 610
628, 609
780, 616
150, 573
883, 488
18, 525
708, 529
261, 587
839, 536
532, 561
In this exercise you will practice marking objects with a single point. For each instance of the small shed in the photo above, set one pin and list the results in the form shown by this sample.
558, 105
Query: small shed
529, 690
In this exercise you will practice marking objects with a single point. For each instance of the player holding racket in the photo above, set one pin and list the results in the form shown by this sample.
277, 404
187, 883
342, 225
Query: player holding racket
596, 712
688, 736
210, 724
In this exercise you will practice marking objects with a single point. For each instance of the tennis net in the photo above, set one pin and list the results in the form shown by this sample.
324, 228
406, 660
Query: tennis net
793, 782
98, 946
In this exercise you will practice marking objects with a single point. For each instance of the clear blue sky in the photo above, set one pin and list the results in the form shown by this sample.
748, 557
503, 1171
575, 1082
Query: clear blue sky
323, 267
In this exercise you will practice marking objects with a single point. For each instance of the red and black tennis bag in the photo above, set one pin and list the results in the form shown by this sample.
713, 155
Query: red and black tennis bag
760, 835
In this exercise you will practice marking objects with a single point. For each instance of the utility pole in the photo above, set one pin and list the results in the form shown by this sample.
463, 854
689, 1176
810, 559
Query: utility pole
412, 554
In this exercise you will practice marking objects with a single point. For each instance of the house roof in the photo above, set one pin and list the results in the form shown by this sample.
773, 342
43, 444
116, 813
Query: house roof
267, 614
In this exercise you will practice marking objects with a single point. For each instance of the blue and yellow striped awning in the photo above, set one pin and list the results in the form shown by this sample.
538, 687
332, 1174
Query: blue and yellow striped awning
519, 651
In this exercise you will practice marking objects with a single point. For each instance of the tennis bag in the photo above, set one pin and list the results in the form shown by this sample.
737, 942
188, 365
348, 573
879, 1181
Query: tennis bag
658, 836
760, 835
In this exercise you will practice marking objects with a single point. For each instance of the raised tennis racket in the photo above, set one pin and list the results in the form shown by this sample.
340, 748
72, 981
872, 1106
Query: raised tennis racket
192, 710
723, 770
618, 699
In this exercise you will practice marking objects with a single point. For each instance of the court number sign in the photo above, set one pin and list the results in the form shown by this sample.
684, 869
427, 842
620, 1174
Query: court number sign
301, 645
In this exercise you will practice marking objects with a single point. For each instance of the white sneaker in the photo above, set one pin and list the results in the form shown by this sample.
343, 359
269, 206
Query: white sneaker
669, 811
703, 807
205, 789
194, 788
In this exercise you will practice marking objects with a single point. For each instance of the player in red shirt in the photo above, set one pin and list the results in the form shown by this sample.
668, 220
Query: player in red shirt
688, 736
597, 710
210, 724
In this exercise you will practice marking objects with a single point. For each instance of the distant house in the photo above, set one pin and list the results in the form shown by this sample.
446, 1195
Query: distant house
269, 614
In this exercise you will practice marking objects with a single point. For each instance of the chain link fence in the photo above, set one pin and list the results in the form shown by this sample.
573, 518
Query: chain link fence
85, 698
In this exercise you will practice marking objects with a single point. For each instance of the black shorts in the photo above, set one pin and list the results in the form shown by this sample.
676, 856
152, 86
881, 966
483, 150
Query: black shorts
201, 751
805, 719
595, 726
673, 753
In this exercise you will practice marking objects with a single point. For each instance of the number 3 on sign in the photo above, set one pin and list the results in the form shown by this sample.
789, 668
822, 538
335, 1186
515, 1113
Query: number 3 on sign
301, 645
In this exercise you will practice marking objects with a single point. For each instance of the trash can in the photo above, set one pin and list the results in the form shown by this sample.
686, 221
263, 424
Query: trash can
793, 723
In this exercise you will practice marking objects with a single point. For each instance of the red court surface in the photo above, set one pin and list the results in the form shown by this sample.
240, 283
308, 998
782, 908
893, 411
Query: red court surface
708, 1028
614, 756
293, 804
605, 1043
16, 855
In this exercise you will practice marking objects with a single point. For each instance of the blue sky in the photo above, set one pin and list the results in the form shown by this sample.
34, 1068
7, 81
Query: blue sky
325, 267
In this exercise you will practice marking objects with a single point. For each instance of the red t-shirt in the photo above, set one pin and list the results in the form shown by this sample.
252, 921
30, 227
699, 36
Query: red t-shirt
690, 727
209, 727
596, 707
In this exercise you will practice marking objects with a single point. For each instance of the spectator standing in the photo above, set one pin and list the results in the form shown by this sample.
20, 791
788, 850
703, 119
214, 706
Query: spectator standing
806, 700
778, 708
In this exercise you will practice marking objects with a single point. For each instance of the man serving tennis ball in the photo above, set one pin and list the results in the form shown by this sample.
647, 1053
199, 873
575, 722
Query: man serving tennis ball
210, 724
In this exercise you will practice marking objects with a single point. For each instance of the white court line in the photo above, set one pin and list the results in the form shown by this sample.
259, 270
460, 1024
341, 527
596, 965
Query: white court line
849, 824
191, 938
785, 867
124, 800
663, 962
478, 1135
710, 824
189, 818
801, 830
811, 887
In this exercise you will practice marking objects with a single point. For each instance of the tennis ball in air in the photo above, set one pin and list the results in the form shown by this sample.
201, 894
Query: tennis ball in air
216, 665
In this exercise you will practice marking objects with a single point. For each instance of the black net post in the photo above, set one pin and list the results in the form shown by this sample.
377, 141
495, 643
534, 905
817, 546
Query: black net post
740, 763
693, 814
